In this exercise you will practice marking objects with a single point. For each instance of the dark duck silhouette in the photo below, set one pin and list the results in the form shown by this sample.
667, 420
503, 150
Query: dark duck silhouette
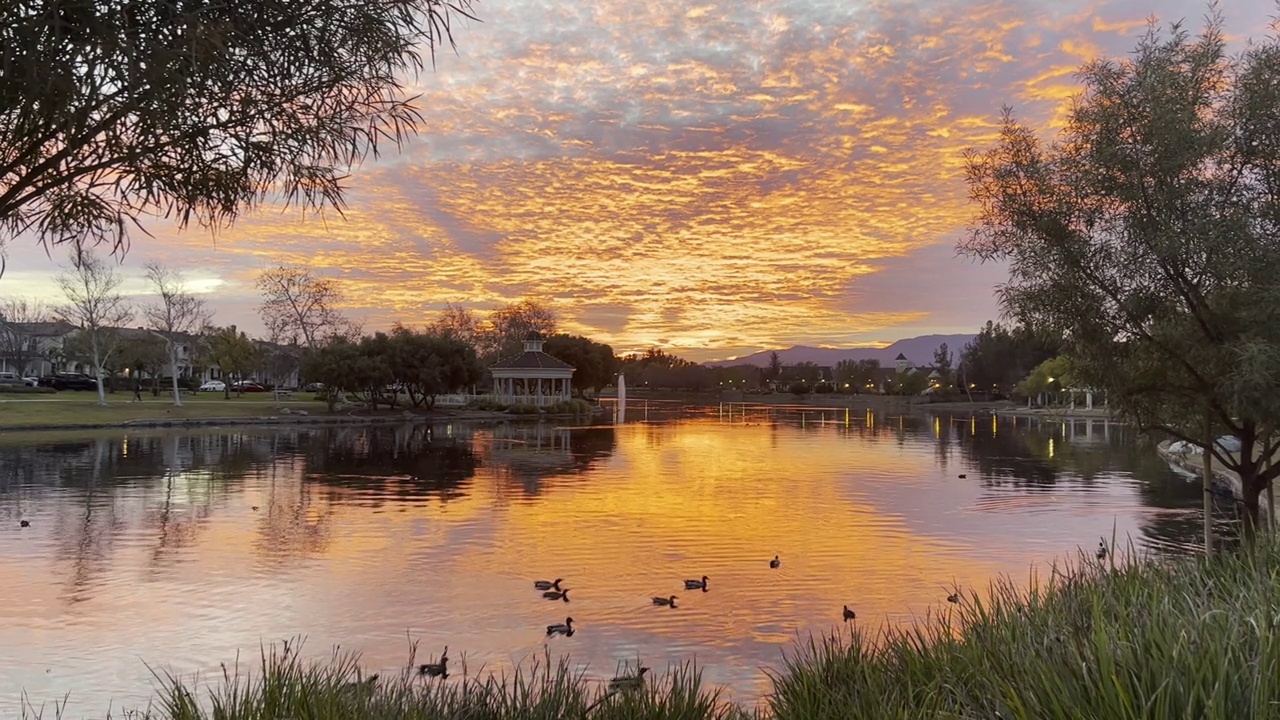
666, 601
628, 682
696, 584
849, 614
775, 563
565, 628
436, 669
557, 594
547, 585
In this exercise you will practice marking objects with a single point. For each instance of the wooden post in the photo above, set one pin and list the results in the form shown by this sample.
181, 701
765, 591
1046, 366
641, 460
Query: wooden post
1207, 463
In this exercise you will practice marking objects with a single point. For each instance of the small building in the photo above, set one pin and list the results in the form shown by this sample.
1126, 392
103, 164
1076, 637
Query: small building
533, 377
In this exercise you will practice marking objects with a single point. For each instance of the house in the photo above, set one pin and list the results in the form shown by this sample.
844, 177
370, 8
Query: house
32, 348
887, 378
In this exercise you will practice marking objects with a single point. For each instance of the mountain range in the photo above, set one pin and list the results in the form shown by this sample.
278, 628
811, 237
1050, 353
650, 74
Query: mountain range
919, 350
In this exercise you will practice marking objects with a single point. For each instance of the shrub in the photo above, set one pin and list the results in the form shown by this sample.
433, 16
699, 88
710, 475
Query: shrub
799, 388
572, 406
487, 404
524, 410
825, 388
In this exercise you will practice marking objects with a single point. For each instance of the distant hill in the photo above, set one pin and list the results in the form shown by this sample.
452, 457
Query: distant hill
919, 350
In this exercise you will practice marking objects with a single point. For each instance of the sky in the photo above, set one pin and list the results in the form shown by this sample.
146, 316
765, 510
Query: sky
712, 178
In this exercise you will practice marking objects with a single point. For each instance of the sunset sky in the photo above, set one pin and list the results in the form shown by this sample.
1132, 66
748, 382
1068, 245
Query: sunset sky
712, 177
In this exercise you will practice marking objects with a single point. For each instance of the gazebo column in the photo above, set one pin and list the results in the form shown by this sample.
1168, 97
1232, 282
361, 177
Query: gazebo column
539, 401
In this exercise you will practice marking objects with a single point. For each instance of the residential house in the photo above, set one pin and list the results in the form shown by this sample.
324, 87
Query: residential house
36, 347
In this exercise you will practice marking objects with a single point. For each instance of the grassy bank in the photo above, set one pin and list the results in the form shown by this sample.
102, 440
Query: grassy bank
81, 408
1188, 638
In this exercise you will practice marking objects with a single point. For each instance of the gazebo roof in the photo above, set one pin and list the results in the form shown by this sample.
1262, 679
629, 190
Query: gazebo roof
530, 360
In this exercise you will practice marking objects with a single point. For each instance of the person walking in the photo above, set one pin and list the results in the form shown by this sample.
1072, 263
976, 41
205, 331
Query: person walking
137, 390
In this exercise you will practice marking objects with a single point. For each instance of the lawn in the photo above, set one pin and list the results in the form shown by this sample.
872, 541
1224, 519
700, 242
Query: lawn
81, 408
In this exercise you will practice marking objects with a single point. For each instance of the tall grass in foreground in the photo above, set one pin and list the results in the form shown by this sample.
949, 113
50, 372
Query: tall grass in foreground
1190, 638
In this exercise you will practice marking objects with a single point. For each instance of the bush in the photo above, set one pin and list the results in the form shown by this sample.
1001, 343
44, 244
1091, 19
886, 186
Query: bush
487, 404
572, 406
524, 410
799, 388
26, 390
825, 388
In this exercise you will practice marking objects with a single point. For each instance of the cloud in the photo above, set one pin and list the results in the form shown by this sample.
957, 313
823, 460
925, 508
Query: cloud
713, 178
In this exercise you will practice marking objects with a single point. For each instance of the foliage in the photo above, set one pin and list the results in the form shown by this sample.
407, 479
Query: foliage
775, 366
177, 317
141, 352
942, 359
1126, 639
998, 358
655, 368
594, 363
824, 388
520, 409
487, 404
911, 382
233, 352
378, 366
335, 366
298, 307
17, 346
799, 388
458, 322
858, 374
276, 363
115, 110
1149, 236
807, 372
95, 306
507, 327
1052, 375
572, 406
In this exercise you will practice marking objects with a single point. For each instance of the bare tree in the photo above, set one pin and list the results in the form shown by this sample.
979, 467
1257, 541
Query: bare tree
177, 317
114, 110
458, 322
95, 306
17, 344
298, 306
510, 324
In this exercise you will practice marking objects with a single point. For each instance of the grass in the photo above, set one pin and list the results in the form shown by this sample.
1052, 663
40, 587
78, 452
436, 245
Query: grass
81, 408
1186, 638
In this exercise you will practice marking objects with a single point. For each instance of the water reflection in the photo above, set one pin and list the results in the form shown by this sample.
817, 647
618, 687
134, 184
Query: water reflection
182, 549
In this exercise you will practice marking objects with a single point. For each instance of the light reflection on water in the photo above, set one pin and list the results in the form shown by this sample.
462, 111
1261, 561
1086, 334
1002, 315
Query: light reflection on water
148, 546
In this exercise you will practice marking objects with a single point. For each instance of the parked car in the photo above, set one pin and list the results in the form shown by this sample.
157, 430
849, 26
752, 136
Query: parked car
11, 378
313, 387
69, 381
32, 381
213, 386
248, 387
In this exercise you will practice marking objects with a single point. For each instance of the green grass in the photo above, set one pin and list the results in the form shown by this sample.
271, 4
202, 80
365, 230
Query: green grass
81, 408
1189, 638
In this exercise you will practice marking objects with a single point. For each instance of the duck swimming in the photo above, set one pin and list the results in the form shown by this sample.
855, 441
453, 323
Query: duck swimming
565, 628
954, 598
628, 682
1102, 550
24, 523
849, 614
438, 669
696, 584
557, 594
666, 601
545, 585
775, 563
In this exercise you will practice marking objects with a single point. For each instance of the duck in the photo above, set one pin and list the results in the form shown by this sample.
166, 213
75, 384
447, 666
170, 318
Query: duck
775, 563
954, 598
696, 584
362, 684
24, 523
437, 669
667, 601
545, 585
254, 508
1102, 550
565, 628
849, 614
557, 594
963, 476
628, 682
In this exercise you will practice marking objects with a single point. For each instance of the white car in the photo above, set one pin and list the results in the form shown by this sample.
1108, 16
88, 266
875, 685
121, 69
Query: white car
32, 381
214, 386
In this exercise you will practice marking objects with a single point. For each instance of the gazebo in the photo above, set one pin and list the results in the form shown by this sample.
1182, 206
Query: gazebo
531, 378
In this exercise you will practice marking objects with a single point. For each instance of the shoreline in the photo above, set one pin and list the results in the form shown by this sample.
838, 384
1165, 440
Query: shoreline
268, 420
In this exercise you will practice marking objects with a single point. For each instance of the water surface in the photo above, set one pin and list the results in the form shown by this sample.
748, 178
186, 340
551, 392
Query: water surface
182, 549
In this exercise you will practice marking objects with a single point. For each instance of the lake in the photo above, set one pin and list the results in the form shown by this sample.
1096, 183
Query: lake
182, 549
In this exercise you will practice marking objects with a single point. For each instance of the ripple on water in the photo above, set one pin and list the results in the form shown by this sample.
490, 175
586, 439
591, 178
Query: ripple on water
375, 538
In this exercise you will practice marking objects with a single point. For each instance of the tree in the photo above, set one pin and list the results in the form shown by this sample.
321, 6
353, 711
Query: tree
430, 365
95, 306
594, 365
275, 362
234, 353
857, 374
510, 324
458, 322
1149, 237
140, 352
335, 366
999, 357
775, 366
912, 382
118, 109
942, 363
298, 306
176, 317
17, 345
